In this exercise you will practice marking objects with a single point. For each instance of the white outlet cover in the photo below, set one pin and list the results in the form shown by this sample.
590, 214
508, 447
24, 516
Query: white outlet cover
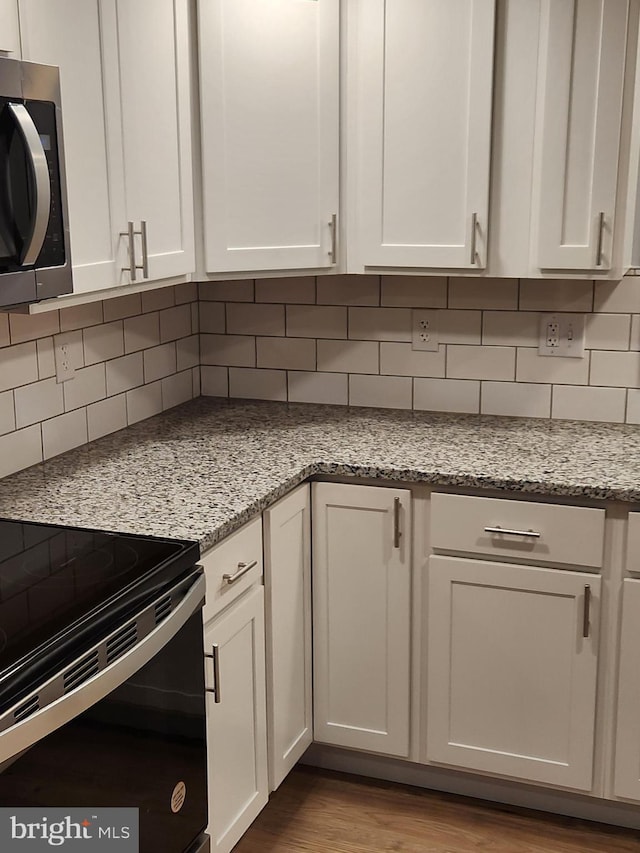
570, 337
424, 330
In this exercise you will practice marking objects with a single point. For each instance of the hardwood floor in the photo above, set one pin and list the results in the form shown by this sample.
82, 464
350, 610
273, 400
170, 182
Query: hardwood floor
316, 811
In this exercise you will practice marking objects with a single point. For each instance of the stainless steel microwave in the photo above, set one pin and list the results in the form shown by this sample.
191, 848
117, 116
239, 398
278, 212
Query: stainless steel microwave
35, 260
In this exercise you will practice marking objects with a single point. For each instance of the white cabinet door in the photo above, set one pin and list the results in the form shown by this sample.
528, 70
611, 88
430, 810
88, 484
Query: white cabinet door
9, 28
424, 96
361, 616
236, 719
269, 98
511, 678
627, 760
287, 567
582, 61
146, 49
67, 33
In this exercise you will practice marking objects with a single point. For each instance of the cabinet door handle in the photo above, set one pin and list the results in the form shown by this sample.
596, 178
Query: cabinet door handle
474, 230
600, 240
145, 249
243, 568
587, 609
396, 523
130, 235
333, 230
532, 534
215, 654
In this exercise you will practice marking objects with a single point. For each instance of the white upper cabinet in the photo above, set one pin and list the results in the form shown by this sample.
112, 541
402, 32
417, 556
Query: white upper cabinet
124, 75
269, 99
583, 48
146, 48
9, 29
424, 95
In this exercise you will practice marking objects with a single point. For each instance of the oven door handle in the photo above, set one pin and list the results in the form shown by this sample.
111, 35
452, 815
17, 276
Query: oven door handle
20, 736
40, 173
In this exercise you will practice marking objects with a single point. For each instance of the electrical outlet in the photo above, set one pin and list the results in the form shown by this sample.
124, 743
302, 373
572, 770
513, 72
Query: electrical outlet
424, 330
561, 335
65, 368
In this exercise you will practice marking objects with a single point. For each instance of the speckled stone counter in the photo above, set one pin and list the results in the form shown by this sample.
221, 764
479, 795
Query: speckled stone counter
203, 469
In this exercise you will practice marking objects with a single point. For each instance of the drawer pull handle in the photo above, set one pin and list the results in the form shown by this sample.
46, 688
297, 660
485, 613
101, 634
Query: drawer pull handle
243, 568
533, 534
215, 654
396, 523
587, 609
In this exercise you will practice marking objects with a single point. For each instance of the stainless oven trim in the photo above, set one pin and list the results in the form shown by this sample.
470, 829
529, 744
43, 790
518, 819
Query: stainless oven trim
24, 734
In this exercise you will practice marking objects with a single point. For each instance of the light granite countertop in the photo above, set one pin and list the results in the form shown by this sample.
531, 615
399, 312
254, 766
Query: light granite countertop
201, 470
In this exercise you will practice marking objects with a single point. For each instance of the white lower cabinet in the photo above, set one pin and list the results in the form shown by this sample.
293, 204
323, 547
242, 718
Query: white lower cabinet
361, 616
236, 719
627, 755
512, 660
287, 566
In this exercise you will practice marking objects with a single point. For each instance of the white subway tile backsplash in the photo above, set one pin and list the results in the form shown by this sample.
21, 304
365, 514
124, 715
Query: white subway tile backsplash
46, 358
176, 389
414, 291
195, 376
634, 340
144, 402
240, 290
121, 307
20, 450
159, 362
617, 369
398, 359
107, 416
188, 352
296, 289
142, 331
316, 321
348, 356
312, 387
195, 318
124, 373
519, 399
184, 293
481, 362
214, 381
103, 342
38, 401
5, 338
387, 392
380, 324
607, 331
532, 367
175, 323
229, 350
81, 316
88, 385
447, 395
250, 382
248, 319
156, 300
64, 433
28, 327
618, 296
18, 365
7, 412
345, 290
286, 353
555, 295
588, 404
484, 293
459, 327
510, 328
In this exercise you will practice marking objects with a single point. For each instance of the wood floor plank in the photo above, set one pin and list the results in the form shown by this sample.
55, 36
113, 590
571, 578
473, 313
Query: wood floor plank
317, 811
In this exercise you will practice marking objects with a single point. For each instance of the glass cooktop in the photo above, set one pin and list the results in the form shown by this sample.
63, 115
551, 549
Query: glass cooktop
53, 578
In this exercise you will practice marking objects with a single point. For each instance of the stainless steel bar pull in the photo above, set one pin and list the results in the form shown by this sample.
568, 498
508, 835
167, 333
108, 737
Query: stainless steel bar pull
474, 234
333, 229
145, 249
532, 534
396, 523
601, 224
587, 610
130, 234
216, 672
243, 568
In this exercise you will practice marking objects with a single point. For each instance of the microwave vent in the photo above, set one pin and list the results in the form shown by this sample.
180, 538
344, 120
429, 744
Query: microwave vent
121, 642
27, 708
163, 609
81, 671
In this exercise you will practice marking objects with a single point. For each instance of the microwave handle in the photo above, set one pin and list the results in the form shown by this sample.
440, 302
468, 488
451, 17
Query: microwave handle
40, 171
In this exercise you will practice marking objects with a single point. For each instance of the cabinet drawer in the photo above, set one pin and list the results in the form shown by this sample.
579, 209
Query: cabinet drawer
558, 534
242, 547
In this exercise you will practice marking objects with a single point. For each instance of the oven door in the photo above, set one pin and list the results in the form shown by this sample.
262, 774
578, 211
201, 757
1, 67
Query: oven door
131, 734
